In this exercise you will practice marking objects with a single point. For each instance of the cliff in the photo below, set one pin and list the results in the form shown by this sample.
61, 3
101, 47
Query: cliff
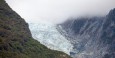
92, 37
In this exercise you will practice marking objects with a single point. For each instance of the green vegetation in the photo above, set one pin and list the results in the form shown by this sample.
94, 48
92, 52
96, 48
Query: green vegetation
16, 40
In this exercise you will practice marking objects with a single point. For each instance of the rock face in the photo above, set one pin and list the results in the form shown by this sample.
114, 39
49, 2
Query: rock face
91, 37
16, 40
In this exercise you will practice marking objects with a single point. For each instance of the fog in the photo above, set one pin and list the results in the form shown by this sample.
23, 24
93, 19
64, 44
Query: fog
57, 11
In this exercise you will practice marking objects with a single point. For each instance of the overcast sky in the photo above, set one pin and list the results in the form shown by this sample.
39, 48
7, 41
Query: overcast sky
57, 11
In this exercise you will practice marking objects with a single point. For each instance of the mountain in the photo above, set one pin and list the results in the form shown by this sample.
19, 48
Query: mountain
16, 40
92, 37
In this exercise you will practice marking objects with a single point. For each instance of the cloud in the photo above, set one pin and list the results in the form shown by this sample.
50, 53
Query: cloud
57, 11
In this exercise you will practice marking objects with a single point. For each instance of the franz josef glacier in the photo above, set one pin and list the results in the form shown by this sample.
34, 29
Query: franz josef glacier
48, 35
82, 37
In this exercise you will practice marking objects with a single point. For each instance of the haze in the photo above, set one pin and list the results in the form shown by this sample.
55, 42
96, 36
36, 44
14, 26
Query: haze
57, 11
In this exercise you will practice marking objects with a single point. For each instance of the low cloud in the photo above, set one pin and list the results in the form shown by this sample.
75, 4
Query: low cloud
57, 11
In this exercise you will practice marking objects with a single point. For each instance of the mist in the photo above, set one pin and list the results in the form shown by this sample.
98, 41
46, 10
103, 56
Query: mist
57, 11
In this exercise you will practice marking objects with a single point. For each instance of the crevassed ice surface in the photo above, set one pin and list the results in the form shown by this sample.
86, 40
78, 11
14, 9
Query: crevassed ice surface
47, 34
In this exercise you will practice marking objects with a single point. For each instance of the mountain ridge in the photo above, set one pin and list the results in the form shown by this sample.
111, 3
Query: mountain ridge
16, 40
91, 37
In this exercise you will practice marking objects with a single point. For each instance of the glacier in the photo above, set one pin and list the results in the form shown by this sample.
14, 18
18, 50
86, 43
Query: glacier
48, 35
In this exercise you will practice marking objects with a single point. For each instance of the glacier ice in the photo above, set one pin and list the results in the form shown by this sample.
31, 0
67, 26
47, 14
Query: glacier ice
47, 34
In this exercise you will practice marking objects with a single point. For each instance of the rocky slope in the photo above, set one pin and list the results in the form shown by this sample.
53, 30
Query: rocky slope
16, 40
92, 37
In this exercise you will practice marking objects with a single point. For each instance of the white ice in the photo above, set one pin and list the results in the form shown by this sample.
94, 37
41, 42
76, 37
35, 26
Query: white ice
47, 34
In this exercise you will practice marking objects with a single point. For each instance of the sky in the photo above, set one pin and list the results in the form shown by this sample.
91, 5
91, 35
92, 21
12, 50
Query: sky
57, 11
